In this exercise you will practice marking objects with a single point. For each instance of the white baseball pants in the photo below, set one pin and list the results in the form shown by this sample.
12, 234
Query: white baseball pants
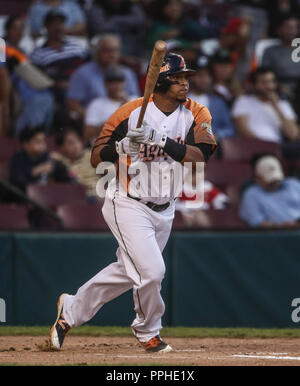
142, 235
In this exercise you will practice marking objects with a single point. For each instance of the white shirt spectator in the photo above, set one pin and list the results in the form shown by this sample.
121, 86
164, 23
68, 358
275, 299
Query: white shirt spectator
100, 109
263, 121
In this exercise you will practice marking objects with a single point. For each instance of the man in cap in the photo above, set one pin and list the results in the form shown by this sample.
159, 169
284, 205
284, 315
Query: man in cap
274, 200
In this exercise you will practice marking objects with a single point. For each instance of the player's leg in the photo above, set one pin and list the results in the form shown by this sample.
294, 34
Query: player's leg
106, 285
74, 310
163, 225
135, 231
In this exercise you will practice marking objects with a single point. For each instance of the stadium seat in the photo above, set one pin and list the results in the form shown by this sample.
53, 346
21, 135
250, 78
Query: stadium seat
55, 194
223, 173
8, 146
215, 219
82, 216
243, 149
225, 219
4, 170
13, 217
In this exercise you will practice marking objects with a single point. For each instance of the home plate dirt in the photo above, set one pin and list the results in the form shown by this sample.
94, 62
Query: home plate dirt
126, 350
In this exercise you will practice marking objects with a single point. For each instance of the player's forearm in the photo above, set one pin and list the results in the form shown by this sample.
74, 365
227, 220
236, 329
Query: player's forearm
105, 153
193, 154
182, 152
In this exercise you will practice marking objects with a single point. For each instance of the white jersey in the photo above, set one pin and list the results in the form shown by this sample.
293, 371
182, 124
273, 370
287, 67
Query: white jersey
190, 123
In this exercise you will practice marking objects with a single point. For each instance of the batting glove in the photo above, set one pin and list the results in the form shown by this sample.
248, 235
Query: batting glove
147, 135
126, 146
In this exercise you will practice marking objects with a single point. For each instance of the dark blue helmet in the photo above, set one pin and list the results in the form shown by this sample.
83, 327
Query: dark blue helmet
172, 64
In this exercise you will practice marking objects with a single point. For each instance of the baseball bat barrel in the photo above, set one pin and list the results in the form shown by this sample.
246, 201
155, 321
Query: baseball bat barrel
156, 61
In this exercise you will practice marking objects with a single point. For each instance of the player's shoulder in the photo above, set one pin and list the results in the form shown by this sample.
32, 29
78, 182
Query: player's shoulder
127, 108
196, 108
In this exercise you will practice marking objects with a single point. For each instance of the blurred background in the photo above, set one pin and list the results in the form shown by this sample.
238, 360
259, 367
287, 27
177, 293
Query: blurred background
69, 65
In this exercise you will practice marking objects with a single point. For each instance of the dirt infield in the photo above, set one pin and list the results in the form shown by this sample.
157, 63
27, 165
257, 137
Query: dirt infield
126, 350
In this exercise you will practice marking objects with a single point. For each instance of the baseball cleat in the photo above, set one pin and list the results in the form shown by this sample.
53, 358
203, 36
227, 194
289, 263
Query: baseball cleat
60, 327
156, 344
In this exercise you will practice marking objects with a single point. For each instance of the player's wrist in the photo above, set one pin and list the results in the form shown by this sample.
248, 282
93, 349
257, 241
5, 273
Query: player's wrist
174, 149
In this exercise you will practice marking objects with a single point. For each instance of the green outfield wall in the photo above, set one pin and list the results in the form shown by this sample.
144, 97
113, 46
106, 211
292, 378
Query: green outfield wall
213, 279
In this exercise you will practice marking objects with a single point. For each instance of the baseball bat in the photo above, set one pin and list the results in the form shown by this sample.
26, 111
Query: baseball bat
157, 57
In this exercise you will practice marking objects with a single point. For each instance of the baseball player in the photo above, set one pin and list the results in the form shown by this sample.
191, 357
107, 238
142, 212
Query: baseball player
175, 129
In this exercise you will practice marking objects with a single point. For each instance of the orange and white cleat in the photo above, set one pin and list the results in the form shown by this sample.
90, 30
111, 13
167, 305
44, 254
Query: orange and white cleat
60, 327
156, 344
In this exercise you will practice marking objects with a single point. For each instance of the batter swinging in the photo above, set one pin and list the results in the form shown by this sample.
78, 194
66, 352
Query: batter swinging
175, 129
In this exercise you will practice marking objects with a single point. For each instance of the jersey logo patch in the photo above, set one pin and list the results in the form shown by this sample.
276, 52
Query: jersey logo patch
208, 128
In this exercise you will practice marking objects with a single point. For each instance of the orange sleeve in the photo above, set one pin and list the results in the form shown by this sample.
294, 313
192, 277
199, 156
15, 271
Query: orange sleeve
201, 130
114, 129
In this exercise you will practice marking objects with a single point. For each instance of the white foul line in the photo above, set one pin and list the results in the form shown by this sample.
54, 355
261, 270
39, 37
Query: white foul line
141, 356
288, 358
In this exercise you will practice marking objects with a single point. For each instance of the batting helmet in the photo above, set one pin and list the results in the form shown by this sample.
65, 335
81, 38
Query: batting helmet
172, 64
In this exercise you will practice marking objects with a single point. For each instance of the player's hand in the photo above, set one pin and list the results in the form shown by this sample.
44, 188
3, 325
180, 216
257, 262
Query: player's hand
145, 134
127, 146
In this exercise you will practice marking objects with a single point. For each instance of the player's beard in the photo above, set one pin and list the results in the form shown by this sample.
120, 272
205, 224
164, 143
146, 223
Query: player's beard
181, 99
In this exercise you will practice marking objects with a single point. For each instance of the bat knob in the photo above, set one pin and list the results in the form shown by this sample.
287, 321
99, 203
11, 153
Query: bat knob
160, 45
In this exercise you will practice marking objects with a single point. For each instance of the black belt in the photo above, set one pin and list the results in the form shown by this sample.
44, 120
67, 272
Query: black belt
151, 205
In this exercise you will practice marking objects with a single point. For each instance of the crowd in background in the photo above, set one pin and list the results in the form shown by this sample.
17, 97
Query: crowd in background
71, 63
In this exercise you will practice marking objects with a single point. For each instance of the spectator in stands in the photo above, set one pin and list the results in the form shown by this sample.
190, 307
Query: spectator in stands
34, 96
256, 12
226, 85
87, 82
274, 200
100, 109
34, 164
170, 23
74, 22
76, 158
235, 38
263, 114
122, 17
278, 11
201, 92
212, 15
279, 57
59, 57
